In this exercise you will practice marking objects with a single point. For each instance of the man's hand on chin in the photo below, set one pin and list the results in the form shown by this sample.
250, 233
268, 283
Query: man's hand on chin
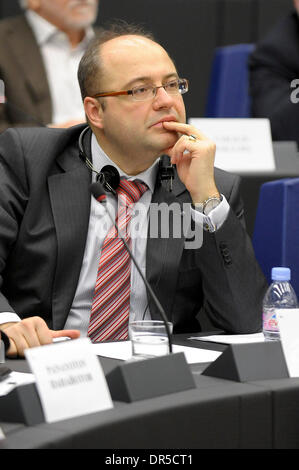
194, 156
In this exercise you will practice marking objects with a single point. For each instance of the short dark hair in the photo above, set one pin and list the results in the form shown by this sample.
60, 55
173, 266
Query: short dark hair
90, 68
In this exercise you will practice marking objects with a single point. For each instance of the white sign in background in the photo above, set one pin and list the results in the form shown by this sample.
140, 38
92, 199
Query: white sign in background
288, 322
69, 379
242, 145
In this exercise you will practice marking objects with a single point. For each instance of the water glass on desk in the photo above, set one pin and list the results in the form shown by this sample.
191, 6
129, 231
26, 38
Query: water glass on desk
149, 338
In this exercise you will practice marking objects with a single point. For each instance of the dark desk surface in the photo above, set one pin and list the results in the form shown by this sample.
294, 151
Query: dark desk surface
217, 414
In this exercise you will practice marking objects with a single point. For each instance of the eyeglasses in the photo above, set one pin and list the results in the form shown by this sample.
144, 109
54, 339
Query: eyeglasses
147, 92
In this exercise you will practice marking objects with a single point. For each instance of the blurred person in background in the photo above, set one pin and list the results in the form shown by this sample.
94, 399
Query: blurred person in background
274, 77
40, 51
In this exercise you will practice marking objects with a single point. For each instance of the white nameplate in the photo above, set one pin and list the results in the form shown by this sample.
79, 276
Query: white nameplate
242, 145
2, 92
2, 435
288, 322
69, 379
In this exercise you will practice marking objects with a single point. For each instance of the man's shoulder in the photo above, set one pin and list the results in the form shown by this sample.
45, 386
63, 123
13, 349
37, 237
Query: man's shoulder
35, 152
38, 138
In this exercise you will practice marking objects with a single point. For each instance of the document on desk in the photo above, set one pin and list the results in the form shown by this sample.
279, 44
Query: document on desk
123, 350
13, 380
232, 339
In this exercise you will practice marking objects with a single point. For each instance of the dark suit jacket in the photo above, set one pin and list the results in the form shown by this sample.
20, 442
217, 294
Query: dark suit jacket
273, 65
22, 69
44, 214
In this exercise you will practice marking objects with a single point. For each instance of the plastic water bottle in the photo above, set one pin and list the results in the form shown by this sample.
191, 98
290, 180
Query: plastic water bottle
279, 295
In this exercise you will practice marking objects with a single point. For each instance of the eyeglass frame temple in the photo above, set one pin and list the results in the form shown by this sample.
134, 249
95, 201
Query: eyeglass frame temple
113, 93
130, 92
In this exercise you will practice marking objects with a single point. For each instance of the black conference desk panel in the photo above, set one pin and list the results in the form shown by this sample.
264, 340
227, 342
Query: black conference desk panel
218, 414
285, 411
226, 416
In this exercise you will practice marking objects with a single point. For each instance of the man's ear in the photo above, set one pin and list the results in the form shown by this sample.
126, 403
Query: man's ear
94, 112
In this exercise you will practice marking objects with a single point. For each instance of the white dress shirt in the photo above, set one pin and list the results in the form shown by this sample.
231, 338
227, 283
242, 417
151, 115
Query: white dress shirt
99, 225
61, 63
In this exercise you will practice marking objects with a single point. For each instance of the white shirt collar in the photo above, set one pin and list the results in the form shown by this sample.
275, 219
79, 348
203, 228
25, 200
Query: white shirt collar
100, 159
45, 31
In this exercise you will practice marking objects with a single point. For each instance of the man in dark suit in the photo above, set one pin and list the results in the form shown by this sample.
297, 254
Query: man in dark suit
52, 228
39, 54
274, 74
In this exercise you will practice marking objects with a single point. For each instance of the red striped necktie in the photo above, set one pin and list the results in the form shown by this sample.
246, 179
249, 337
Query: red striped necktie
111, 303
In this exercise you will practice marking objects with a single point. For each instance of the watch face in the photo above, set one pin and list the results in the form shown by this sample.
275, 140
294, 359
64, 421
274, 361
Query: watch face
211, 204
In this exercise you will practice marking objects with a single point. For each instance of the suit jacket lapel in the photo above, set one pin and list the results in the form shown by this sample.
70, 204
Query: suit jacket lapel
70, 202
164, 254
23, 46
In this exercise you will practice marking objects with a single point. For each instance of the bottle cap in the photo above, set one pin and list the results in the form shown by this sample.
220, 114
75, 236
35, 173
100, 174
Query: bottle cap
281, 274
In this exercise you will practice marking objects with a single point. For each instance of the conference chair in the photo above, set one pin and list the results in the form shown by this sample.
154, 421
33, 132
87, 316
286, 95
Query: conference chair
228, 95
276, 231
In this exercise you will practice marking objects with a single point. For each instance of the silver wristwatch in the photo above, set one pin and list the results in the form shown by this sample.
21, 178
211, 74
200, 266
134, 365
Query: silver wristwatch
208, 205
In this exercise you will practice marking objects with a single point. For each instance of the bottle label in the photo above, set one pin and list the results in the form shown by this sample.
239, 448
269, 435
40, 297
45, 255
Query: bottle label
270, 320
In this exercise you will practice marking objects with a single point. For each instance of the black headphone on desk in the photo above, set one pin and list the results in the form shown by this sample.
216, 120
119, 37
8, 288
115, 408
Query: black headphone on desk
109, 176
